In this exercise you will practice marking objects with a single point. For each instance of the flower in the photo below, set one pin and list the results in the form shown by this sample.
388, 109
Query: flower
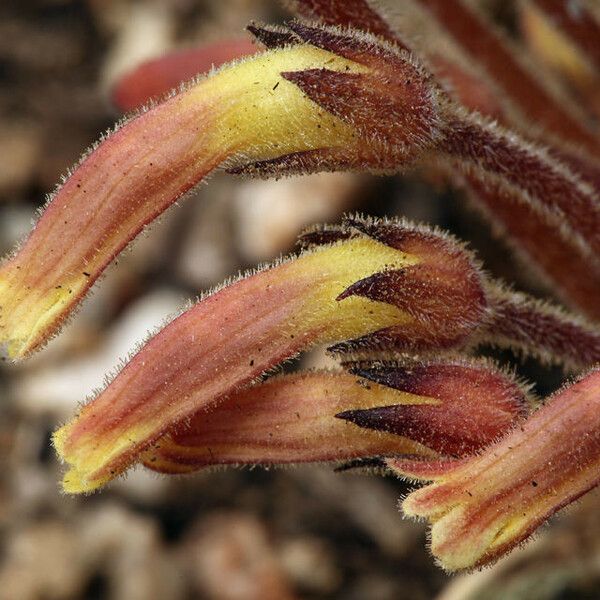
374, 282
246, 110
482, 507
378, 409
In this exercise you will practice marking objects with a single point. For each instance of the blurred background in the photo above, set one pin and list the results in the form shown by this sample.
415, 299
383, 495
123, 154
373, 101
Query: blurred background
231, 535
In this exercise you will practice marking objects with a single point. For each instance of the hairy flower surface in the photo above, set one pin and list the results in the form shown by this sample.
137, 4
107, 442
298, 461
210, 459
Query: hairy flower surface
287, 419
366, 284
322, 98
354, 288
348, 90
155, 78
483, 70
131, 177
425, 409
480, 508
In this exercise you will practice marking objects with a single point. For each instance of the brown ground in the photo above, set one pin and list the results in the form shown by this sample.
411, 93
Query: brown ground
231, 535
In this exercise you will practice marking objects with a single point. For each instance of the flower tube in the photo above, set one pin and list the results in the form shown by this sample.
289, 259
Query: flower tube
245, 112
482, 507
426, 409
356, 287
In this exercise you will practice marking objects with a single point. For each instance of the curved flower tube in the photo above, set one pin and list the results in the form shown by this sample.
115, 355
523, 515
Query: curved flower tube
141, 169
426, 409
347, 101
288, 419
247, 110
354, 287
482, 507
367, 284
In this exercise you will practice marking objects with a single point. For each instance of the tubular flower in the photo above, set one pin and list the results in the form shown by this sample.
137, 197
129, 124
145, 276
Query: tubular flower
357, 287
325, 416
245, 112
346, 92
320, 99
142, 168
481, 507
